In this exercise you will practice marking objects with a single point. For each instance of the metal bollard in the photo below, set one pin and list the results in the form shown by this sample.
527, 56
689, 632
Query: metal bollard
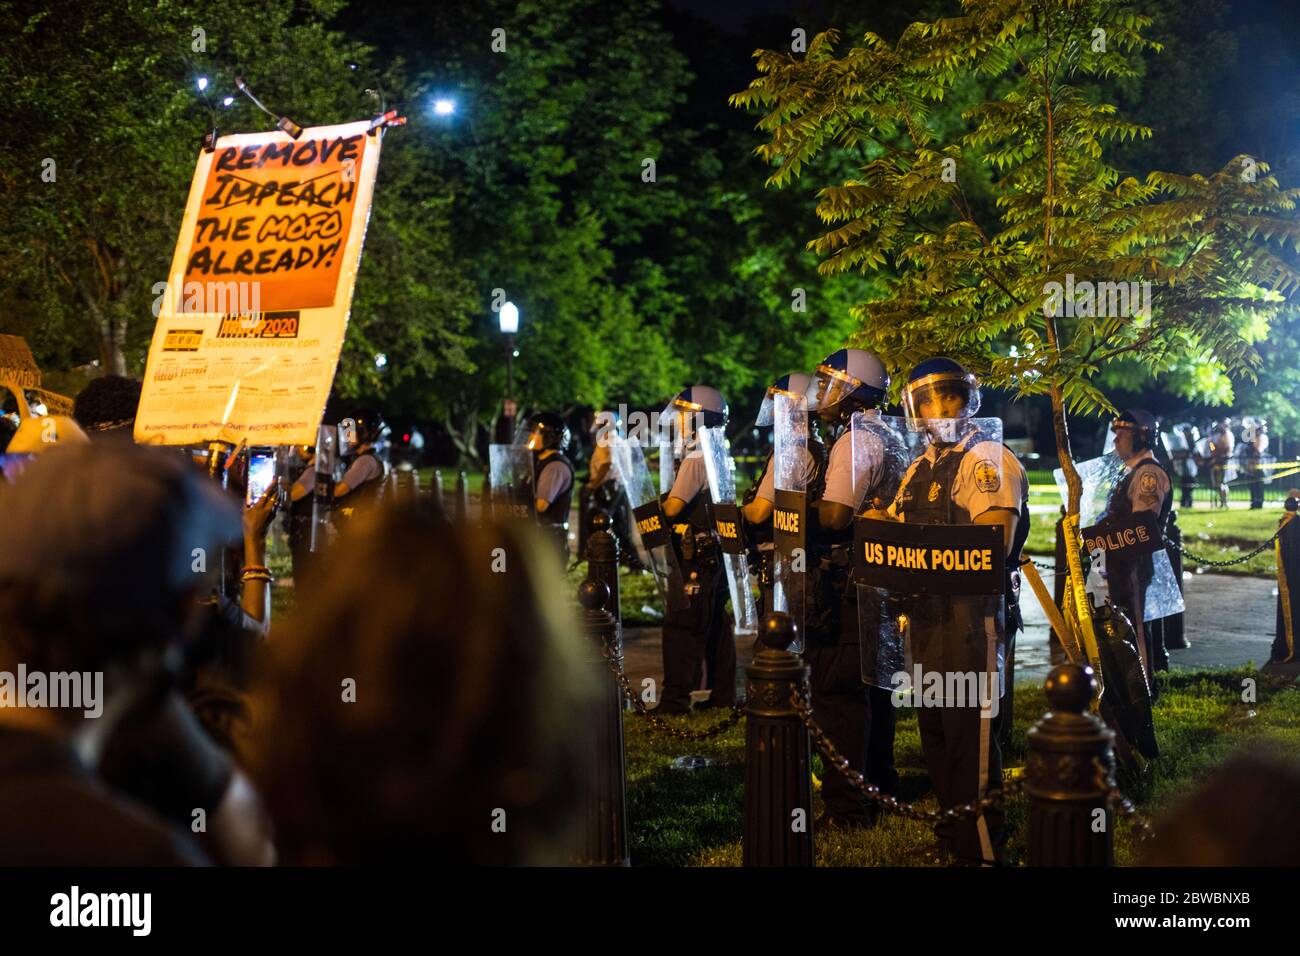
1069, 775
439, 501
778, 753
602, 562
603, 841
462, 500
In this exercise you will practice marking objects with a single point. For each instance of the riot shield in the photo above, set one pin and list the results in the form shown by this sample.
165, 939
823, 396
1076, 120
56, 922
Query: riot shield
650, 527
667, 467
931, 608
322, 500
883, 450
791, 463
1162, 595
510, 471
721, 472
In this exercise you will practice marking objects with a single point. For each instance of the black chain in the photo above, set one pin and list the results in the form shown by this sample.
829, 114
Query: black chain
615, 662
1222, 564
1123, 805
886, 802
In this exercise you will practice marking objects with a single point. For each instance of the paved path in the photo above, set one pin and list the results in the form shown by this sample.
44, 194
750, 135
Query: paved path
1230, 621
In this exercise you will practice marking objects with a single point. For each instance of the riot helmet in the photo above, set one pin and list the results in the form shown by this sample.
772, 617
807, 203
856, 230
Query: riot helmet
545, 430
848, 380
370, 426
695, 405
941, 388
794, 384
1141, 424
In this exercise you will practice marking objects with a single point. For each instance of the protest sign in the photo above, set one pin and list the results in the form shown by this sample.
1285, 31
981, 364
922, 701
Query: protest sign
252, 318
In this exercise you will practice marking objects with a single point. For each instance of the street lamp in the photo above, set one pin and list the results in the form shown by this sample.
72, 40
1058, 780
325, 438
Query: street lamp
508, 318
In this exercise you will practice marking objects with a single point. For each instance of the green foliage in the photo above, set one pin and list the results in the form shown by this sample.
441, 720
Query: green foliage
978, 287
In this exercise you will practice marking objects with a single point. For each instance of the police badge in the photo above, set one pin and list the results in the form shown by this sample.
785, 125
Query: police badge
988, 477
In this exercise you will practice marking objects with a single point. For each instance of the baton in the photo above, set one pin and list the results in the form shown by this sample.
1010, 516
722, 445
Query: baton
1069, 642
1082, 606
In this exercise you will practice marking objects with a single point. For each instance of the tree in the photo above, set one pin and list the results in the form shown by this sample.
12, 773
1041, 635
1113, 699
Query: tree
1015, 297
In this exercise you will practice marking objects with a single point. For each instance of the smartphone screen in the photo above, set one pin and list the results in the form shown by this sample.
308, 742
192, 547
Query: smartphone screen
261, 475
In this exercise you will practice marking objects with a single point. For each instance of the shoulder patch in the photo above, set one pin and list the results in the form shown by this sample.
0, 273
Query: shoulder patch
1147, 483
988, 477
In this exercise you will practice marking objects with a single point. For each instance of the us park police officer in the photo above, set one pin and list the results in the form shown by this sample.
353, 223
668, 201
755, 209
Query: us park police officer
697, 644
963, 477
757, 507
845, 391
547, 437
1145, 486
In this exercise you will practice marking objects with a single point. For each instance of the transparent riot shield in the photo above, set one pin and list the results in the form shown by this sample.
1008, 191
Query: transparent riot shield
510, 471
931, 608
1162, 595
721, 472
792, 464
649, 526
322, 500
667, 467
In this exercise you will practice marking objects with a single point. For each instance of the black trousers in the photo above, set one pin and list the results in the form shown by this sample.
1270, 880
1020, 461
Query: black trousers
959, 735
965, 759
698, 644
860, 720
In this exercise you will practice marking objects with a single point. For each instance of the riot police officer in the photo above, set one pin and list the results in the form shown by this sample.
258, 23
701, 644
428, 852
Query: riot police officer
760, 498
1222, 471
963, 478
1145, 486
362, 483
547, 437
1182, 453
698, 647
859, 720
602, 490
1254, 446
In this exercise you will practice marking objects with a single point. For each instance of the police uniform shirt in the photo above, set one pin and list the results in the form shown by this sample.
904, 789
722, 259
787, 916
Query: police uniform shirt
767, 487
1150, 484
854, 467
365, 468
988, 477
553, 481
691, 477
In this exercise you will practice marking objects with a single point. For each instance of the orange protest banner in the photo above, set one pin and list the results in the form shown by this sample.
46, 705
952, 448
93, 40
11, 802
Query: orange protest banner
279, 213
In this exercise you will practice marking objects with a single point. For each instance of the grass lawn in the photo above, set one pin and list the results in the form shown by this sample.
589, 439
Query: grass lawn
1215, 534
695, 818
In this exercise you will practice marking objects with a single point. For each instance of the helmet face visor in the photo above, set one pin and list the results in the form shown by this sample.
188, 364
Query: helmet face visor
946, 397
829, 387
677, 422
